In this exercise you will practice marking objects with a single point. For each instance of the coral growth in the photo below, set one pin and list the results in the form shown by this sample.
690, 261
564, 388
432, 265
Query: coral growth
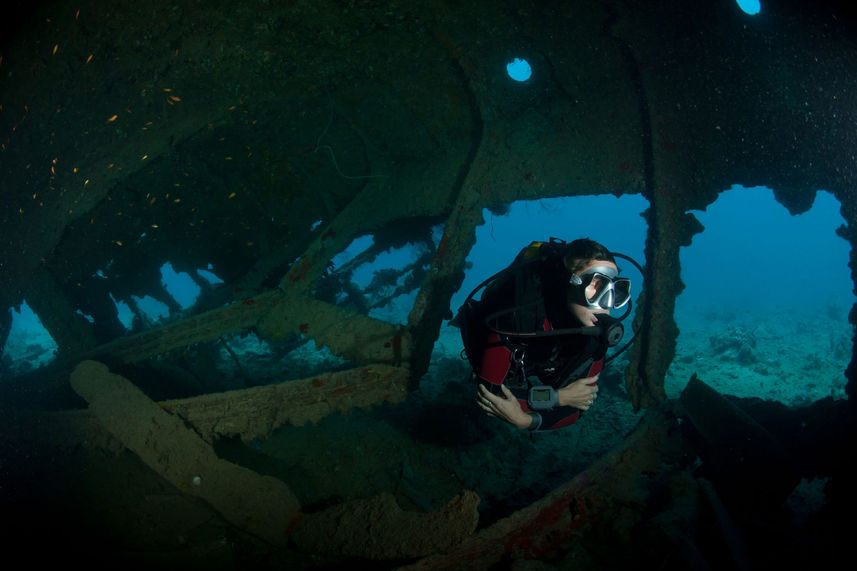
736, 343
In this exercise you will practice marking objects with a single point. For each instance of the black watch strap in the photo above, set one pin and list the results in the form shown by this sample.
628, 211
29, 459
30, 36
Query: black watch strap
535, 421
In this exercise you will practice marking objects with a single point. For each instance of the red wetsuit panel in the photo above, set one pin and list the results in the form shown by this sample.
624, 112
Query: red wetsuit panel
496, 362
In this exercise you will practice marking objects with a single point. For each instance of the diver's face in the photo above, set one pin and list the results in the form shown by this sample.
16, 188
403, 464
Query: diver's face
589, 317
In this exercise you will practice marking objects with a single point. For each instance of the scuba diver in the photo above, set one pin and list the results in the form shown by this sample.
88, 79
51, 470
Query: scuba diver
538, 336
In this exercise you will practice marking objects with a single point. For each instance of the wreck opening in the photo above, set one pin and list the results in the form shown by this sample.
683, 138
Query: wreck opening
379, 275
180, 286
765, 309
519, 69
179, 292
751, 7
28, 346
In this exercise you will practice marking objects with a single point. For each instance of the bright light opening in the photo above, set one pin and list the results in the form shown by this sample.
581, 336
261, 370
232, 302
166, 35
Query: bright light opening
355, 248
86, 316
765, 309
152, 308
180, 285
209, 275
29, 345
519, 69
123, 313
751, 7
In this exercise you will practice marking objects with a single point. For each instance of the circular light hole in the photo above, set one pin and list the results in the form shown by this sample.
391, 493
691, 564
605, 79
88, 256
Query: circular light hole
750, 6
519, 69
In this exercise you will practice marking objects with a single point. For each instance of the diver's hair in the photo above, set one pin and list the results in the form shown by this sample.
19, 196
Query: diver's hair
583, 250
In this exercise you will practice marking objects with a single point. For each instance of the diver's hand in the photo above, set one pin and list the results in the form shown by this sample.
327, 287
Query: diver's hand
579, 394
508, 408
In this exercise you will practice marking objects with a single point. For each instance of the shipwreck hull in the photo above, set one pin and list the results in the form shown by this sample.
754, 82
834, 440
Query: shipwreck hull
262, 141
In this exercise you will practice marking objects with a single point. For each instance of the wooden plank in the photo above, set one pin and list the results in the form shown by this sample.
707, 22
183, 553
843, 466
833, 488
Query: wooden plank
261, 505
189, 331
255, 412
351, 335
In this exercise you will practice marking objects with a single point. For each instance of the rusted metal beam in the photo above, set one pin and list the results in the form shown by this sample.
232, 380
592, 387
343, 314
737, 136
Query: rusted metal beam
353, 336
254, 413
200, 328
262, 505
246, 413
377, 528
69, 329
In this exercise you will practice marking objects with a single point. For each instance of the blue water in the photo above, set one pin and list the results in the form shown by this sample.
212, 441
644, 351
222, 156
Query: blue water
754, 254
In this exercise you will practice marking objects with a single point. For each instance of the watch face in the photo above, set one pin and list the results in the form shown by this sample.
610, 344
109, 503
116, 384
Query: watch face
542, 395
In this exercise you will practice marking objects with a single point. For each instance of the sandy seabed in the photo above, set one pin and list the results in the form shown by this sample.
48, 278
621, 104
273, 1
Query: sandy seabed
791, 357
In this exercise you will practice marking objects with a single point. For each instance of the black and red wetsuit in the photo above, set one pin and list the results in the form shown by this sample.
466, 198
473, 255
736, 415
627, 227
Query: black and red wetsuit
497, 368
536, 300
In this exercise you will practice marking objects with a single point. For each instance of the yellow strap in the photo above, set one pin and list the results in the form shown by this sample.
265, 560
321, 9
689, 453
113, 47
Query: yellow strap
531, 251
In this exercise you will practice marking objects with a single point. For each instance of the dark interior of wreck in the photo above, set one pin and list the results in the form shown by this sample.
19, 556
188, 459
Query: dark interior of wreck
218, 134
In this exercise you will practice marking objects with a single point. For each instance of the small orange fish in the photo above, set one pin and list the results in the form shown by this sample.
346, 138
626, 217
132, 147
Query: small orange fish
112, 119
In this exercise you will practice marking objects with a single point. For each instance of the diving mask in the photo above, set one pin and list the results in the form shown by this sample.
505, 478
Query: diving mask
599, 288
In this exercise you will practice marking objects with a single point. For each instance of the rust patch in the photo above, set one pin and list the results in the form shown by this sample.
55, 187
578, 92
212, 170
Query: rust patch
302, 271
